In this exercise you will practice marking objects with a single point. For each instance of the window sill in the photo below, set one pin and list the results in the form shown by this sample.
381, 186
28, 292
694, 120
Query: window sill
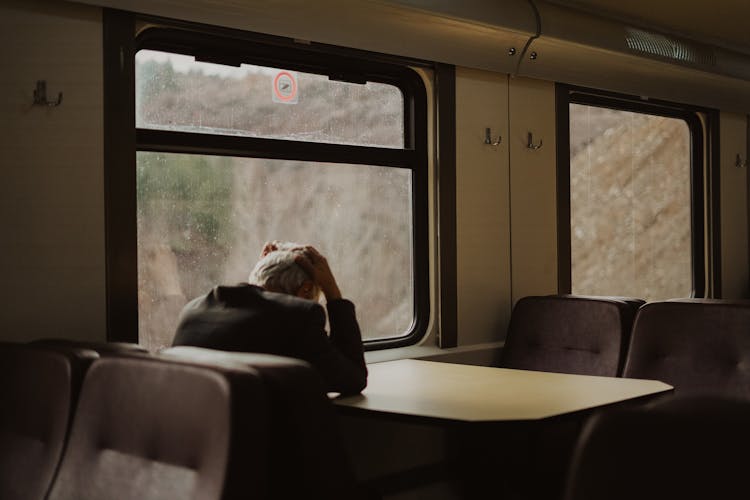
485, 354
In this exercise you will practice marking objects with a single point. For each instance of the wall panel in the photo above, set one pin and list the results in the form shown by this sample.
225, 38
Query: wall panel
51, 198
533, 188
482, 211
734, 238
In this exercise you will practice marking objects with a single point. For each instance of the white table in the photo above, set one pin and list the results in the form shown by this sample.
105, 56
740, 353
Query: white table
437, 391
497, 421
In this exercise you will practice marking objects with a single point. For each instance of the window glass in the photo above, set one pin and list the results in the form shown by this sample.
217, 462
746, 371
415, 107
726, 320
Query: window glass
202, 221
175, 92
630, 202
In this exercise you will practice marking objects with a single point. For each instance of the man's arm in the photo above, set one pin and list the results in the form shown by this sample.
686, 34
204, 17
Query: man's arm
317, 267
345, 339
339, 357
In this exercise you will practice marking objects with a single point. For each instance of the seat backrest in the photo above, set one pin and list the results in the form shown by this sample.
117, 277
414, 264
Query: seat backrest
103, 348
681, 447
38, 395
151, 429
307, 458
695, 345
570, 334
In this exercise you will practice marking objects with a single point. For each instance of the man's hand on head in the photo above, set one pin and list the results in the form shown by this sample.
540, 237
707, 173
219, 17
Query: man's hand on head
273, 246
270, 246
317, 267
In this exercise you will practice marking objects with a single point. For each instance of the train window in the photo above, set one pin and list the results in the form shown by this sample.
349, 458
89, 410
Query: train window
305, 148
635, 212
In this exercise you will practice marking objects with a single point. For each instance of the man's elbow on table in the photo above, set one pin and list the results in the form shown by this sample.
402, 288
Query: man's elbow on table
353, 385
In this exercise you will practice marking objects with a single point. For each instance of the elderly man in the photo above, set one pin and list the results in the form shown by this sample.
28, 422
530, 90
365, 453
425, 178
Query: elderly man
277, 312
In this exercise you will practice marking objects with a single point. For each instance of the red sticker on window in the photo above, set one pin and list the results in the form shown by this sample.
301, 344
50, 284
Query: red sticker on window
285, 87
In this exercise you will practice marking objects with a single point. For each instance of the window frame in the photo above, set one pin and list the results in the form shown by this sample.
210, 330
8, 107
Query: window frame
227, 46
701, 175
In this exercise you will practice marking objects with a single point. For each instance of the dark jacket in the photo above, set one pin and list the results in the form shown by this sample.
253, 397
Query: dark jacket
248, 318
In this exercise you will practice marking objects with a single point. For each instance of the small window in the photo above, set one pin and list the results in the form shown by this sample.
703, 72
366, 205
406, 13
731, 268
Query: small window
635, 187
231, 156
177, 92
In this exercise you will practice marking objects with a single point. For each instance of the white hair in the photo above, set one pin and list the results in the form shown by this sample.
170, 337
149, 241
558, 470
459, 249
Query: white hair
279, 272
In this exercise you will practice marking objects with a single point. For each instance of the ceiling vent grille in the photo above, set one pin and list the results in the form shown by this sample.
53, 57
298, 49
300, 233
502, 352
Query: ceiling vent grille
667, 47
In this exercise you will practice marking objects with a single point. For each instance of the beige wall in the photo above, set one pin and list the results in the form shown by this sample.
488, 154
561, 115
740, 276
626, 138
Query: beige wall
52, 194
505, 199
734, 238
482, 210
533, 183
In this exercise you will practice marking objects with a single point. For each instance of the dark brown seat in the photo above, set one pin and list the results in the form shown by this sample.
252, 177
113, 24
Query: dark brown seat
576, 334
570, 334
696, 345
152, 429
38, 395
683, 447
307, 458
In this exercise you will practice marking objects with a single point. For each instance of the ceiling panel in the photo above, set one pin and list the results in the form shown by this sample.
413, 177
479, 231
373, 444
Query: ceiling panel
721, 22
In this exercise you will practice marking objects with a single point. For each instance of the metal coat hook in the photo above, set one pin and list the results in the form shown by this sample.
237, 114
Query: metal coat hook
530, 144
739, 162
40, 95
488, 138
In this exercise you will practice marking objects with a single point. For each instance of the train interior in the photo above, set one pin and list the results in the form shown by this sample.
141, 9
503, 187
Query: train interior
501, 154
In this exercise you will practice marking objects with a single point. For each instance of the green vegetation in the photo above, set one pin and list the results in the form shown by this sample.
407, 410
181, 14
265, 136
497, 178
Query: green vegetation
185, 196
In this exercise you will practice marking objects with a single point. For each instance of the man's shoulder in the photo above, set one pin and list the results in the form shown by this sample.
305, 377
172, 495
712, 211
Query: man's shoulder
244, 295
226, 314
286, 300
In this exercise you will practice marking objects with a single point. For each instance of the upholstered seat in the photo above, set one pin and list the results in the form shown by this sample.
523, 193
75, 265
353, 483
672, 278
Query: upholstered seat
307, 458
38, 393
683, 447
696, 345
571, 334
568, 333
103, 348
151, 429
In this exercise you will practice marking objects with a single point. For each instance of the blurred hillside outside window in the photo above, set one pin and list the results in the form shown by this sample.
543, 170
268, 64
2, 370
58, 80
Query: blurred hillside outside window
630, 204
203, 218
